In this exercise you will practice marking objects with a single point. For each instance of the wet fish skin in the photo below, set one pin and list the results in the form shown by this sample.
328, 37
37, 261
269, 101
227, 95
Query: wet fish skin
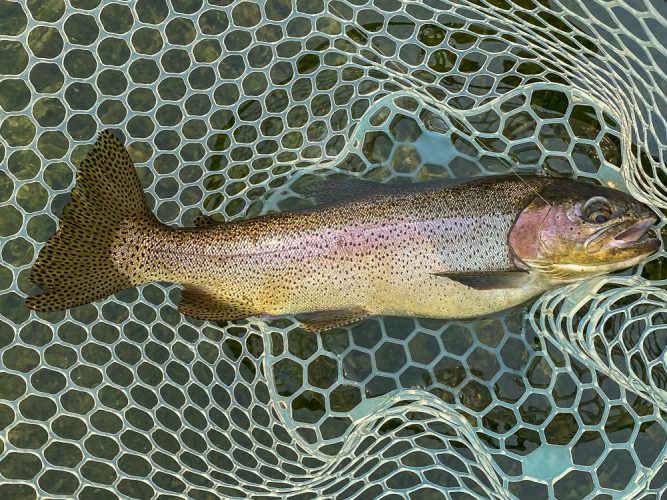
380, 254
433, 250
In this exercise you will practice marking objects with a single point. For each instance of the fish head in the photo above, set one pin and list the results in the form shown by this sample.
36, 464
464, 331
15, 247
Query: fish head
573, 230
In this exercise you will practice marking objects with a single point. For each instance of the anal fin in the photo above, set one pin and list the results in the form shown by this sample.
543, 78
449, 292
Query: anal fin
321, 321
205, 303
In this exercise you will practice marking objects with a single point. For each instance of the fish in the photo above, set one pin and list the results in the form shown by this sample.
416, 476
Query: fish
448, 250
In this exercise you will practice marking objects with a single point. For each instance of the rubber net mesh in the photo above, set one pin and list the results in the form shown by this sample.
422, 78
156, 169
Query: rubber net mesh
225, 107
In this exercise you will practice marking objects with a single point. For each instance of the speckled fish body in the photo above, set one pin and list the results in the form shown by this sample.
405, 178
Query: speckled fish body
429, 250
381, 254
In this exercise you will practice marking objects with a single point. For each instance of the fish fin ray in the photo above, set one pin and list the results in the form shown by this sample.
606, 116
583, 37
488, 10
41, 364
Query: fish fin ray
491, 280
332, 191
76, 265
557, 272
321, 321
206, 303
203, 220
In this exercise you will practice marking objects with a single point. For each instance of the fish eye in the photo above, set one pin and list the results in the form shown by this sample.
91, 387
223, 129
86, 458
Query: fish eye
597, 210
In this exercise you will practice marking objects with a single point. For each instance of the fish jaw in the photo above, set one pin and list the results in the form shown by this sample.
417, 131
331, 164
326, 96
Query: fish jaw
625, 241
556, 236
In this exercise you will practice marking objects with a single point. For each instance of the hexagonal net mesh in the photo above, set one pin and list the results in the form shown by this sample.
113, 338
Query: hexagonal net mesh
225, 106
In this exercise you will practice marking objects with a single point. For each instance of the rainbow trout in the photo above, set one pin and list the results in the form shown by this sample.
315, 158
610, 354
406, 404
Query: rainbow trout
427, 250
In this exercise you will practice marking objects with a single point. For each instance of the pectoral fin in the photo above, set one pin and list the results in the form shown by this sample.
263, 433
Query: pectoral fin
206, 303
493, 280
321, 321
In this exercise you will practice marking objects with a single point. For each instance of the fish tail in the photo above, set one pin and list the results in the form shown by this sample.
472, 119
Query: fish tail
80, 262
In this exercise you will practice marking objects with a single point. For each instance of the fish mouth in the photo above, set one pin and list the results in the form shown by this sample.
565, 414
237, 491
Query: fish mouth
627, 236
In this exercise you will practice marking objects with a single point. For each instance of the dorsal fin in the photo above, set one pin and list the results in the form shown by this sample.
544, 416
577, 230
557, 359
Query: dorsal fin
203, 220
337, 190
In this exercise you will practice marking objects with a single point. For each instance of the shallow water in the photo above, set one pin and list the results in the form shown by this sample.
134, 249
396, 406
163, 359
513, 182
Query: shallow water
229, 109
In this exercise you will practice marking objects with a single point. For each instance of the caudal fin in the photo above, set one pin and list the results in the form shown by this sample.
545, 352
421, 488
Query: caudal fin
76, 264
